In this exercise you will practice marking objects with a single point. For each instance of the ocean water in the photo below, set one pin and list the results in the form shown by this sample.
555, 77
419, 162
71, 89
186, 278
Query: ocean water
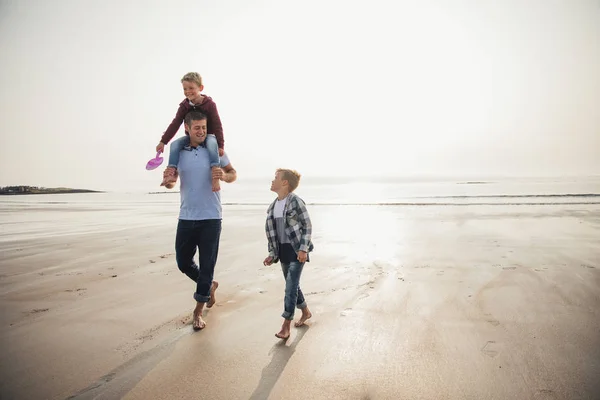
428, 192
38, 216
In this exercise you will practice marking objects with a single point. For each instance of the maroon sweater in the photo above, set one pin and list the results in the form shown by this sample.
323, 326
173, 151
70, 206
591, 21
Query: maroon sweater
213, 122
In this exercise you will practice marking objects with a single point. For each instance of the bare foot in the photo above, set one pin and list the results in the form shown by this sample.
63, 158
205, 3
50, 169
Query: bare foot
284, 333
198, 323
213, 289
306, 314
216, 185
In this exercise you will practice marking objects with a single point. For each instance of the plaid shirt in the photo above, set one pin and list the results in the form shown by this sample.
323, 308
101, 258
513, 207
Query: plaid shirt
297, 226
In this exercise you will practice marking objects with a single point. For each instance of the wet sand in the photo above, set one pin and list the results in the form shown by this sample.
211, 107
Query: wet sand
409, 303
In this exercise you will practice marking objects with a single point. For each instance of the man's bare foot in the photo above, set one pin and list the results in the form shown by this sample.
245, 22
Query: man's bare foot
213, 289
198, 323
216, 185
284, 333
306, 314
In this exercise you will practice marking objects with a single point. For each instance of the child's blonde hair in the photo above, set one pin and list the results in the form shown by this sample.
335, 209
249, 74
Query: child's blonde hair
290, 175
192, 77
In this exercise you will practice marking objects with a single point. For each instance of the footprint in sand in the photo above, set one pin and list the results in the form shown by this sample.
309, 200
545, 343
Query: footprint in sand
489, 318
490, 349
545, 394
38, 310
346, 312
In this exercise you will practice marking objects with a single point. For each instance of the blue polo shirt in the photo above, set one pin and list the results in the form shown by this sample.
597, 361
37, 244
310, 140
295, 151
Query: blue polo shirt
198, 201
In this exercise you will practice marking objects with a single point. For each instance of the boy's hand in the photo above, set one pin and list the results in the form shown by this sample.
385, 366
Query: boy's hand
268, 261
221, 152
160, 147
302, 256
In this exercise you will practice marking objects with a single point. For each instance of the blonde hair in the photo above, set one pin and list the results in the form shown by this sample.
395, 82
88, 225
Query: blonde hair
192, 77
290, 175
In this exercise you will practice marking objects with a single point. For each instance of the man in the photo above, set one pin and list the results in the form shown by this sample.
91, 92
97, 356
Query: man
200, 214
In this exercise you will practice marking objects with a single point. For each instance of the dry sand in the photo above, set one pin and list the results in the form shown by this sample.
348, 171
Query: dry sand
497, 302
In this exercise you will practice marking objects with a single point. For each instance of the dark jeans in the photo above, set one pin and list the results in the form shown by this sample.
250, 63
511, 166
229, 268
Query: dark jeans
203, 235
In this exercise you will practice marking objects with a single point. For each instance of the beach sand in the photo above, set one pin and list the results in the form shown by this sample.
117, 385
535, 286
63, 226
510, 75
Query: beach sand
499, 302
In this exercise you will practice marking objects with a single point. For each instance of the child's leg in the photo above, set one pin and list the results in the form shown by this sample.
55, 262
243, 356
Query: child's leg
292, 273
175, 149
301, 304
213, 157
288, 313
170, 174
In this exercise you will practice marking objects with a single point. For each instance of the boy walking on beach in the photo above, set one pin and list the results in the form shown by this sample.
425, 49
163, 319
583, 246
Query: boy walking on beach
288, 230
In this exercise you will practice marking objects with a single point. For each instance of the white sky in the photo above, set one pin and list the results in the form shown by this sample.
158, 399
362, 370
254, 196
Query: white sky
438, 87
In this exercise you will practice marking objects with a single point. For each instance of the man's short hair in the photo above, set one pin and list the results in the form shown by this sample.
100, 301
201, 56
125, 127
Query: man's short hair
292, 176
194, 116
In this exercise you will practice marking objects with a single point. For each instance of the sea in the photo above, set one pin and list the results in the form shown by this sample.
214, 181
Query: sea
33, 216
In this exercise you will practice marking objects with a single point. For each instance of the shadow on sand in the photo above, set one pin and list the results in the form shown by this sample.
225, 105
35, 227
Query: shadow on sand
271, 373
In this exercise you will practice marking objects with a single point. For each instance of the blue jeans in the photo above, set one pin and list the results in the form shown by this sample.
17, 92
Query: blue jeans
211, 145
293, 295
203, 235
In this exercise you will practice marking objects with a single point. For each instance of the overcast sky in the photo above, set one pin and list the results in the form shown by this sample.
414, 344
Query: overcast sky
428, 87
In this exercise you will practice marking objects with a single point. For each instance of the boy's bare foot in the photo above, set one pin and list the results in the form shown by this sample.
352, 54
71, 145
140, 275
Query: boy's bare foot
198, 323
284, 333
306, 314
213, 289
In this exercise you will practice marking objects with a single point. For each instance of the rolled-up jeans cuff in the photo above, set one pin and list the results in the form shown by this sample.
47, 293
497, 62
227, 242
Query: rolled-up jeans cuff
301, 306
201, 299
287, 315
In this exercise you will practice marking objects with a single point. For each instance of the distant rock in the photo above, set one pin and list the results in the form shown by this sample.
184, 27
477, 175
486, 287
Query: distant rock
17, 190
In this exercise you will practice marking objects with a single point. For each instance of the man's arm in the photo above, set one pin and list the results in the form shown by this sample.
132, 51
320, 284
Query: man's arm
226, 173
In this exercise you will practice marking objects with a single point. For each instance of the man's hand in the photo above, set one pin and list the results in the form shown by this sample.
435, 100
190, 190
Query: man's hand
160, 147
226, 174
302, 256
268, 261
217, 173
221, 152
